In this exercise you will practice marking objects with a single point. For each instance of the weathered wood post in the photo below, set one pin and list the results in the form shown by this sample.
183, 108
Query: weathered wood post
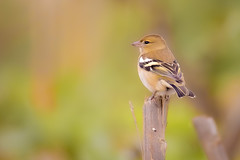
155, 121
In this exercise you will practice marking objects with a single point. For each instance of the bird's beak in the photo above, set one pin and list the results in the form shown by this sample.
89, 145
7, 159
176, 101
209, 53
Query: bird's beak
137, 44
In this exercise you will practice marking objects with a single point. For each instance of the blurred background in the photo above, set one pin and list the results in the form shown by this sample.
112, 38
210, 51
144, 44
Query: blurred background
68, 72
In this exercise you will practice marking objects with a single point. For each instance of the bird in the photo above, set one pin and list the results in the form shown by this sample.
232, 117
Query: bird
158, 69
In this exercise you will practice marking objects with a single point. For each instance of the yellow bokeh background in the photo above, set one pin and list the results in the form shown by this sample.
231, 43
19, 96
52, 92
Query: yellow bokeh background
68, 72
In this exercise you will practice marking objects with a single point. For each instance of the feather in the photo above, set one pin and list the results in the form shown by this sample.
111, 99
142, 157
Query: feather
170, 70
179, 92
191, 94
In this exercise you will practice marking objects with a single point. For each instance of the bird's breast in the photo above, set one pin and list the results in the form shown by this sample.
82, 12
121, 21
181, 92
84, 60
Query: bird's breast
150, 80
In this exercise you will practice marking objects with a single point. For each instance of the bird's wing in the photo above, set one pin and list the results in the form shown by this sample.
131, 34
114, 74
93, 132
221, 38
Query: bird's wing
170, 70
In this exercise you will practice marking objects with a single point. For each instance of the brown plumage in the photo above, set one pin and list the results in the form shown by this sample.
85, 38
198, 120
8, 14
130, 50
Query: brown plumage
158, 68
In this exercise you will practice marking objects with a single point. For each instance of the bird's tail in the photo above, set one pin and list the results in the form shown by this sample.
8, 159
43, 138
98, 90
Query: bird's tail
183, 91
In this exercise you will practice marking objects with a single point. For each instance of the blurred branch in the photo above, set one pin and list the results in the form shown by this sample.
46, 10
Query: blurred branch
209, 138
155, 121
135, 121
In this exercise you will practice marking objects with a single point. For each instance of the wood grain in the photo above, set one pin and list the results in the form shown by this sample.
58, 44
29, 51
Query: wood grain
155, 122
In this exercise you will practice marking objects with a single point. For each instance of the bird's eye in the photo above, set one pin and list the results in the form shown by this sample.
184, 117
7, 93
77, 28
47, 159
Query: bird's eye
146, 42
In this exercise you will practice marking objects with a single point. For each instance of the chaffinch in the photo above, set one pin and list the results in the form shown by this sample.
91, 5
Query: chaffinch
158, 69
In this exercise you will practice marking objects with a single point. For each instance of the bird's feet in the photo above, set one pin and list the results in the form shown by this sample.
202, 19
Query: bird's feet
167, 97
153, 95
156, 94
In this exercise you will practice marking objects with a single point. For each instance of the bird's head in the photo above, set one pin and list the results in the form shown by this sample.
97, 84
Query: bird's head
150, 42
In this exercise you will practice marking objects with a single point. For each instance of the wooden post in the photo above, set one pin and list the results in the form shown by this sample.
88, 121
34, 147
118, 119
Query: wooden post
209, 138
155, 121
